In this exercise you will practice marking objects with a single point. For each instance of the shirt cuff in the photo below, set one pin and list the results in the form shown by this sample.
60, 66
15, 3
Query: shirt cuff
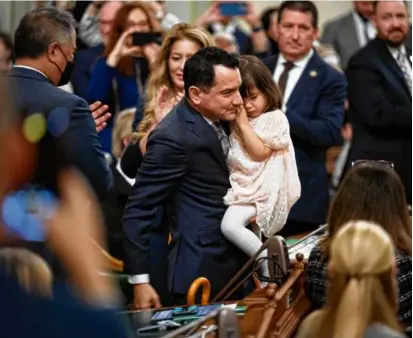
139, 279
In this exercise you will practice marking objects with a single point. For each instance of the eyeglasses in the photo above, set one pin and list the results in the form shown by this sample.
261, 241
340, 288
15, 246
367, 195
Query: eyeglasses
383, 162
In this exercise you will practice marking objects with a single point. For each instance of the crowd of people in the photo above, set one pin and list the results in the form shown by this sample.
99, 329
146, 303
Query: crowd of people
193, 142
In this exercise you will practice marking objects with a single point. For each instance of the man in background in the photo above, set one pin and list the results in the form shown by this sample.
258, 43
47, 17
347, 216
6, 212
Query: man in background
380, 93
350, 32
313, 100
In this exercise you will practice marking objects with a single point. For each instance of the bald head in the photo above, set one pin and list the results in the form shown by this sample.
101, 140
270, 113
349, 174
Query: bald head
107, 15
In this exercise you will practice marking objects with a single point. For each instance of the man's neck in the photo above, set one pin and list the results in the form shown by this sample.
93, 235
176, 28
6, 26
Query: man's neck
294, 58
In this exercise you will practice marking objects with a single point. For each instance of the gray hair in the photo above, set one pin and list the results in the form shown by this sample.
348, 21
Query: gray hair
39, 28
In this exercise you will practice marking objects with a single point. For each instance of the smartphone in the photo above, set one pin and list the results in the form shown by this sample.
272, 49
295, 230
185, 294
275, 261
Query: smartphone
24, 212
231, 9
145, 38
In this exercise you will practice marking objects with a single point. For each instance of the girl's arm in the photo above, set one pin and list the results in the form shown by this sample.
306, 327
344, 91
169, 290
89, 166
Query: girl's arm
252, 144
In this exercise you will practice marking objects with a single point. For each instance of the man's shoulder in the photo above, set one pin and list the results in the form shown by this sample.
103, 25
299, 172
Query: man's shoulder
337, 22
327, 71
366, 56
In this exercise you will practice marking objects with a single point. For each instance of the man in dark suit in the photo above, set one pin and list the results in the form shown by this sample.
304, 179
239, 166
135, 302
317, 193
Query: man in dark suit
45, 42
185, 163
313, 99
380, 96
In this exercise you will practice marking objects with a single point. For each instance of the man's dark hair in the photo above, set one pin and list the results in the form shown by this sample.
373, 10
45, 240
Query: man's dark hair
39, 28
199, 69
266, 17
376, 2
300, 6
7, 42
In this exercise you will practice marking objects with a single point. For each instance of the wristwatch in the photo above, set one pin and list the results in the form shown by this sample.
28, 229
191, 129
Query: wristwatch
257, 28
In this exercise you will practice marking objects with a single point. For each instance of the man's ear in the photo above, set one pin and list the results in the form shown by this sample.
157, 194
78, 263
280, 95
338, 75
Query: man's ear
195, 95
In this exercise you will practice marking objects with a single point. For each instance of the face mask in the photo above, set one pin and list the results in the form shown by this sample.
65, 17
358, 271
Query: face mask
67, 72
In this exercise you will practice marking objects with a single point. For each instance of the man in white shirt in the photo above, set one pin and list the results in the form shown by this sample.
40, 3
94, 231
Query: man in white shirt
380, 93
313, 100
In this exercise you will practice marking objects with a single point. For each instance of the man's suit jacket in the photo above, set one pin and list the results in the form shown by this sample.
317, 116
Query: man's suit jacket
380, 110
184, 163
35, 93
342, 35
315, 111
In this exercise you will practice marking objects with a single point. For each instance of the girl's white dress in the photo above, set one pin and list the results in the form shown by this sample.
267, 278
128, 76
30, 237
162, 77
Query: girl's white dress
273, 185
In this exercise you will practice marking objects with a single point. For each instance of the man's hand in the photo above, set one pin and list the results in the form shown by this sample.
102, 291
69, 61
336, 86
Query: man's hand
100, 115
145, 297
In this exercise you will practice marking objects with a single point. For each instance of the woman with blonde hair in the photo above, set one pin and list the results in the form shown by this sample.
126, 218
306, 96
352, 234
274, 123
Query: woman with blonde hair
165, 87
371, 190
362, 301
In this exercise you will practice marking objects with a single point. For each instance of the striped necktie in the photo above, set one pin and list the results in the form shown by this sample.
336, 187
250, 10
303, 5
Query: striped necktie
222, 137
402, 62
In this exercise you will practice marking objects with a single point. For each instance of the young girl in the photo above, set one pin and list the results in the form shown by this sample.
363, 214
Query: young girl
263, 172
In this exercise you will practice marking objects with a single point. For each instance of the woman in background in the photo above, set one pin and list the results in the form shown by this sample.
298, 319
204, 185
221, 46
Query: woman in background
362, 300
165, 87
123, 67
371, 191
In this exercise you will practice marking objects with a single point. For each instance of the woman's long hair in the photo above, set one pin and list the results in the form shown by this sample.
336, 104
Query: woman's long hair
160, 74
363, 286
126, 64
371, 191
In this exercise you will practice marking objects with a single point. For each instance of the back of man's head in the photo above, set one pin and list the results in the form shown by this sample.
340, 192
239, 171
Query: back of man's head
199, 69
40, 28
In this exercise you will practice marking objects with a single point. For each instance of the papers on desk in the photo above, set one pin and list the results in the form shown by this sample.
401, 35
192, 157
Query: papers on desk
304, 247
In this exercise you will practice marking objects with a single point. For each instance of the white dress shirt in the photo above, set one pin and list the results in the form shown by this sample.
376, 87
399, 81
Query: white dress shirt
359, 25
293, 76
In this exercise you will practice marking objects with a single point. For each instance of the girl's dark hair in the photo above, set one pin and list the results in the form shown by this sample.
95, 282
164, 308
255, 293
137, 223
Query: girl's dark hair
255, 74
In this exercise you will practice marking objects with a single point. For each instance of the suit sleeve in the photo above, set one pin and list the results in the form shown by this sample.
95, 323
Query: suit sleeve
163, 166
329, 34
369, 102
100, 81
80, 78
89, 155
323, 129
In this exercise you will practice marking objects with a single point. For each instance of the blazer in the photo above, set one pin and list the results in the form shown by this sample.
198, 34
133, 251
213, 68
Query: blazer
315, 111
184, 163
35, 93
381, 110
344, 41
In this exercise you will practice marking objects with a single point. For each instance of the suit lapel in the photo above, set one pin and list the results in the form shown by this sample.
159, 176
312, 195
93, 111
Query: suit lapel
199, 126
390, 64
307, 83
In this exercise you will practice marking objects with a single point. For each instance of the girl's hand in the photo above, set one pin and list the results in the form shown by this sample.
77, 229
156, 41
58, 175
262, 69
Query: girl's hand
124, 47
242, 117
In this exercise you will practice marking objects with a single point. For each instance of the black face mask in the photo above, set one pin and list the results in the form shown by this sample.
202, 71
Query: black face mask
67, 72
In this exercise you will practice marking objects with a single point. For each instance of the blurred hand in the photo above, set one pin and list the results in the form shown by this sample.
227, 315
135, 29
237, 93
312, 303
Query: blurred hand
250, 17
164, 103
71, 232
211, 15
145, 297
151, 51
100, 115
124, 47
